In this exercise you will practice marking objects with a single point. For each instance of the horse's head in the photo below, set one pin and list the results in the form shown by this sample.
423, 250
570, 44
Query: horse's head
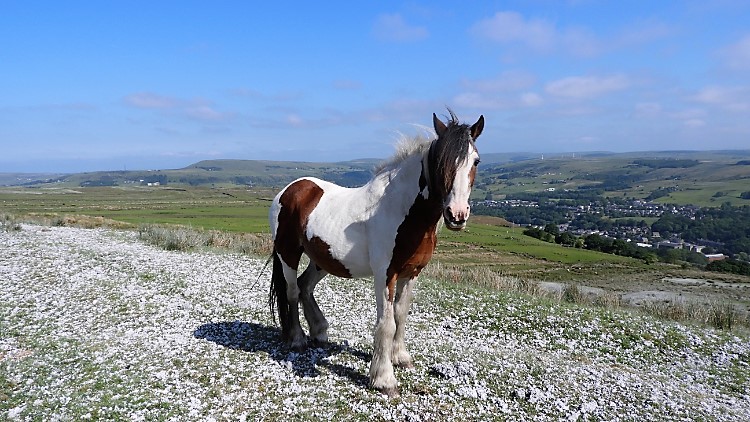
453, 160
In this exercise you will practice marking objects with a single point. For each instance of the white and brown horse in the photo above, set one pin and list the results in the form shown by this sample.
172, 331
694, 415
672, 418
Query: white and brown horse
386, 228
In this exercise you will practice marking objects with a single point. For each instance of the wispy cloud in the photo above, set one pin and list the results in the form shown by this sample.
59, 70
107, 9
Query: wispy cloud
506, 90
199, 110
512, 27
506, 81
544, 36
737, 55
347, 84
581, 87
256, 94
393, 27
729, 98
150, 100
643, 32
205, 113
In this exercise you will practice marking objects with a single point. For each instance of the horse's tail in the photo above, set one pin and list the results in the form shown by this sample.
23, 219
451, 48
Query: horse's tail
277, 296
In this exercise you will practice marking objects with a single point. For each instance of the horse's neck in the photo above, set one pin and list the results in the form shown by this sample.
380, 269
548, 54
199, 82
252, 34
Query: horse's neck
403, 185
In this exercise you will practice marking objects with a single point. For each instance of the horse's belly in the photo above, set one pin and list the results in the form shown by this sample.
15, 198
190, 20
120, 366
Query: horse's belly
349, 262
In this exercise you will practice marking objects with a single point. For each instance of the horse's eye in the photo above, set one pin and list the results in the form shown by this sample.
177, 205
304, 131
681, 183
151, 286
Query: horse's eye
476, 162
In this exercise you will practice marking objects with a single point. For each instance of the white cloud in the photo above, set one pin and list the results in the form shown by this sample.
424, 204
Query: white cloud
511, 27
581, 42
506, 81
347, 84
643, 33
694, 123
205, 113
393, 27
150, 100
478, 100
544, 36
737, 55
294, 120
579, 87
648, 110
531, 99
732, 99
196, 109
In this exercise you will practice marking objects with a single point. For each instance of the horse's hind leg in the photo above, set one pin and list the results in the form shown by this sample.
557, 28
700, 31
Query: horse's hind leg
315, 318
404, 295
297, 339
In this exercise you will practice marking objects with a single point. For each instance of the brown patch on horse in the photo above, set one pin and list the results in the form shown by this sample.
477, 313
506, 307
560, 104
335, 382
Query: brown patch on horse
415, 241
320, 252
472, 175
297, 203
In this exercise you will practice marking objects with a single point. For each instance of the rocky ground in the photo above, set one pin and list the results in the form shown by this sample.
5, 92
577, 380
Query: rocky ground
97, 325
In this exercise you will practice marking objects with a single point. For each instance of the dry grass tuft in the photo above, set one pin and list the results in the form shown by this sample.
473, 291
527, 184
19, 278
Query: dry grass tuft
182, 238
9, 223
719, 315
82, 221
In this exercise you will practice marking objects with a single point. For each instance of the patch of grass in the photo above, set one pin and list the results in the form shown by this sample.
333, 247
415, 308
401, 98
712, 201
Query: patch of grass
715, 314
9, 223
178, 238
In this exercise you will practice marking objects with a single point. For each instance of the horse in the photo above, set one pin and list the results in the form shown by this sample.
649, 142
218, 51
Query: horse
386, 229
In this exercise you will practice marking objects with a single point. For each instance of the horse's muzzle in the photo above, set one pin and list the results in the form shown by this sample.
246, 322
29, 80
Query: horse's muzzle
455, 221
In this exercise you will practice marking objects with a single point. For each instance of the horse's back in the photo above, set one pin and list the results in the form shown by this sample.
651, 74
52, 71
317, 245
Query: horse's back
327, 221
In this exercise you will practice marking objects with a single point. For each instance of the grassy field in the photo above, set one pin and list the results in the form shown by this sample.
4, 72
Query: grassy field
231, 209
487, 242
246, 210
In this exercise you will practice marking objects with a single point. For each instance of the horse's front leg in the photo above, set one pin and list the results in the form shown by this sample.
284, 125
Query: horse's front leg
404, 296
381, 367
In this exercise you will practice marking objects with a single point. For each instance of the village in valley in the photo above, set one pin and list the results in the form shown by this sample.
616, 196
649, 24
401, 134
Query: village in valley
632, 227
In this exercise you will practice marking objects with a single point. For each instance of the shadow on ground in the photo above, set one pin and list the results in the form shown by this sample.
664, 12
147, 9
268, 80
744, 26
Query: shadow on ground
252, 337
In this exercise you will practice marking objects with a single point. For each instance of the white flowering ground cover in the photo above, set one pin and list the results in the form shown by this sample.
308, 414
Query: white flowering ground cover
96, 325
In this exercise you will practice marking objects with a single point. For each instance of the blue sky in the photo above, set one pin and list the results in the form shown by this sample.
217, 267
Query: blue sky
162, 84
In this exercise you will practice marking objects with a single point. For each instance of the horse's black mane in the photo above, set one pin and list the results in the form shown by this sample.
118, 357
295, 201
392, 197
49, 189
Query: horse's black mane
446, 152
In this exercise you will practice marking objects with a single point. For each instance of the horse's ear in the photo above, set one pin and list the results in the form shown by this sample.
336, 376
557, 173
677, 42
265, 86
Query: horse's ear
476, 128
439, 125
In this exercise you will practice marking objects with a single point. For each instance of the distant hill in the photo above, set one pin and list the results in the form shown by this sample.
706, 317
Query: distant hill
696, 177
214, 172
707, 178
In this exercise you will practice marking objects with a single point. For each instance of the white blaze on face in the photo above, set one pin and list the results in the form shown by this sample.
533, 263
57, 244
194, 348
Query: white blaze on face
456, 210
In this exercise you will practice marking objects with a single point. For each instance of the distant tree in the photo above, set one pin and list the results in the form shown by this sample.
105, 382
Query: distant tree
566, 239
729, 266
539, 234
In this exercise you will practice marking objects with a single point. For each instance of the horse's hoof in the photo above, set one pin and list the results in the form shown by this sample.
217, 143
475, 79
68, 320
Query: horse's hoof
408, 365
298, 346
391, 392
319, 343
320, 338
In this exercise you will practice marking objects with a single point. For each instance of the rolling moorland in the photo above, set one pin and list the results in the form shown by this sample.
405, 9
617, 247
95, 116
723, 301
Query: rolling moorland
99, 324
234, 195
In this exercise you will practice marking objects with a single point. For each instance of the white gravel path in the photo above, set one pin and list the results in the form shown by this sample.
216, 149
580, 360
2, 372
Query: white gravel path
97, 325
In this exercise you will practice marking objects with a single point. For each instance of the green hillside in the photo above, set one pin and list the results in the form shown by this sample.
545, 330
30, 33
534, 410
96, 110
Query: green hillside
705, 178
